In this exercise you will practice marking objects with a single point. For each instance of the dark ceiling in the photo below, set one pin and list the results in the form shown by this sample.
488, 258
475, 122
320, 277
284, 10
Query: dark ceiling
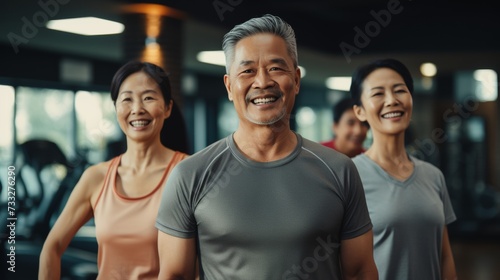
453, 34
419, 26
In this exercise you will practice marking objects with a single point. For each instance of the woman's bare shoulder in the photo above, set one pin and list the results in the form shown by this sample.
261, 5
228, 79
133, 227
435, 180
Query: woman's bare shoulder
93, 177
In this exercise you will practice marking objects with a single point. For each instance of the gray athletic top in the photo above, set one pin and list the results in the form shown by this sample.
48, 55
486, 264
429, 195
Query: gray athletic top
265, 220
408, 219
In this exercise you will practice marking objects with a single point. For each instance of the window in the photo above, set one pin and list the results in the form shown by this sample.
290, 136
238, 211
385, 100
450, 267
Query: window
227, 120
45, 114
96, 124
7, 124
478, 85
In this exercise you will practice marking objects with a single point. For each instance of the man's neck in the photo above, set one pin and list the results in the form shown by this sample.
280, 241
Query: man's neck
265, 144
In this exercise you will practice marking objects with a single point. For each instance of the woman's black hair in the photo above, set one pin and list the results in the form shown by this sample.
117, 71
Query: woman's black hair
174, 132
340, 108
362, 72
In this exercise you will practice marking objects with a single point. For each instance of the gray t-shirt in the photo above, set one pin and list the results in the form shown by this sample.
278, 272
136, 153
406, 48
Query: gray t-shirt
265, 220
408, 219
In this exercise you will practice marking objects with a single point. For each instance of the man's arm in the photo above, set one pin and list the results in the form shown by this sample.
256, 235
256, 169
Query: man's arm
177, 257
356, 258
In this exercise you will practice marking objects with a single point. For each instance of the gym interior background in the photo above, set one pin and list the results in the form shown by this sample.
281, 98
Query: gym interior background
57, 117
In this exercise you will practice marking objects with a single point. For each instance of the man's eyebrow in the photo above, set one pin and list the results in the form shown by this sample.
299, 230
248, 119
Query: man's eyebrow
279, 61
246, 62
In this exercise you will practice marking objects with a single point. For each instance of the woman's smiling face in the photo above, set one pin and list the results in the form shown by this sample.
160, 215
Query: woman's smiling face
386, 102
140, 107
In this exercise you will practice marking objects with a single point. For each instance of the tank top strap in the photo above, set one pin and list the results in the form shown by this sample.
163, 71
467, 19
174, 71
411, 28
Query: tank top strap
110, 175
178, 156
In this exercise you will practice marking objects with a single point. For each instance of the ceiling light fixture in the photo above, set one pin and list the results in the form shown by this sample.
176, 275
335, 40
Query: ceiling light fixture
486, 84
89, 26
338, 83
212, 57
428, 69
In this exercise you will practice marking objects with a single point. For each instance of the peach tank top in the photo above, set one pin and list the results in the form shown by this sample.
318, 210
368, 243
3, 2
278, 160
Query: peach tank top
125, 229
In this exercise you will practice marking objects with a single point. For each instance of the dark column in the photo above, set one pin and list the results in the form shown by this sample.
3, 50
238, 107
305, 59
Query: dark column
153, 33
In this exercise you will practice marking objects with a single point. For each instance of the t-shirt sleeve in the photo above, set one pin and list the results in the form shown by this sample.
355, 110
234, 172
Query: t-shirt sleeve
449, 213
356, 216
175, 214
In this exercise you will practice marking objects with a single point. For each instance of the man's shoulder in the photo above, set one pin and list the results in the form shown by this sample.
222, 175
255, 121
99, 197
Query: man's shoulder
320, 147
329, 143
205, 155
329, 156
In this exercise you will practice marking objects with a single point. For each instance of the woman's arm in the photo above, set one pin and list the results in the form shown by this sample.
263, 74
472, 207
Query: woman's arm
76, 213
357, 258
447, 262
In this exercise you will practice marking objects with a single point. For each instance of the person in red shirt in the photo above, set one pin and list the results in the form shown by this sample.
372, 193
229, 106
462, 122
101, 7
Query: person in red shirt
349, 132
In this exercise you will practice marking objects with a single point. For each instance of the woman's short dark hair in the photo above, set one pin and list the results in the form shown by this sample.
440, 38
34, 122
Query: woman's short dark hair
340, 107
173, 133
362, 72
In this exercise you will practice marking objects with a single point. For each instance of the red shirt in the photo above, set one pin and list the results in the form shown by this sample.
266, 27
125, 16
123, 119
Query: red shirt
331, 144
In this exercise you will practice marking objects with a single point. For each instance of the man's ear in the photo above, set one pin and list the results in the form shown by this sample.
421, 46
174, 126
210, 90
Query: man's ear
227, 83
359, 111
297, 80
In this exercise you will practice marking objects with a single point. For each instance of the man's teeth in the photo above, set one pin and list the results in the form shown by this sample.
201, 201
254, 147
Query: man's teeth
139, 123
259, 101
392, 115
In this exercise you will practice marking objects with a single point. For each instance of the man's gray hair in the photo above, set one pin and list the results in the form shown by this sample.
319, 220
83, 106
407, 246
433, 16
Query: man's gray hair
265, 24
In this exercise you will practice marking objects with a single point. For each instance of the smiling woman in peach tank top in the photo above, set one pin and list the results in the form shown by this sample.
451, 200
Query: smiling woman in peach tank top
124, 228
123, 194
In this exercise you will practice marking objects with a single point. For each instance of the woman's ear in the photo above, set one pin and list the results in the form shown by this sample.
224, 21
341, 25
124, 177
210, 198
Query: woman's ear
359, 111
168, 108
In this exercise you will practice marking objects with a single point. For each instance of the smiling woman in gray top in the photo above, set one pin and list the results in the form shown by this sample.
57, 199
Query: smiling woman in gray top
407, 198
